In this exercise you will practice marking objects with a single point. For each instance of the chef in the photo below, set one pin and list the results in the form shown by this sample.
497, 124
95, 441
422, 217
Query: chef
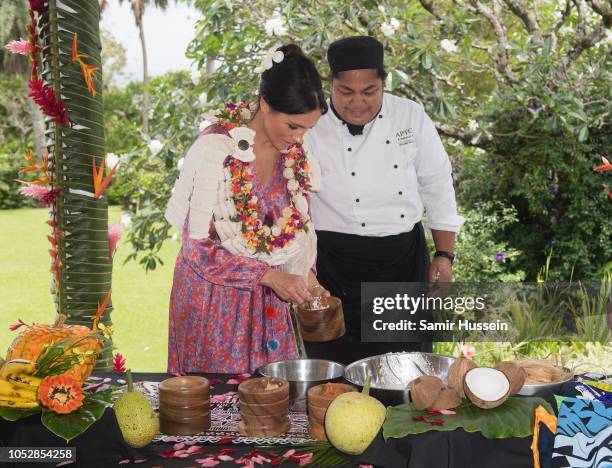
383, 166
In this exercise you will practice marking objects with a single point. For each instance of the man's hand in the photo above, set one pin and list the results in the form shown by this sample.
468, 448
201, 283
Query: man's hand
290, 288
441, 270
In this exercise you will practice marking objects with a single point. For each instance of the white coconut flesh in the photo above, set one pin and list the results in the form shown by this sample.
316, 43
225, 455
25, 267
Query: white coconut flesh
487, 384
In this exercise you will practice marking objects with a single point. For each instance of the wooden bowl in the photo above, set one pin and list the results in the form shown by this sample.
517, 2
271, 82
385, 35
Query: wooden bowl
177, 390
320, 325
318, 397
174, 413
278, 407
253, 390
258, 431
185, 427
317, 430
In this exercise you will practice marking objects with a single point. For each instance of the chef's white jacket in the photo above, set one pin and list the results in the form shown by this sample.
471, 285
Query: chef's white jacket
379, 183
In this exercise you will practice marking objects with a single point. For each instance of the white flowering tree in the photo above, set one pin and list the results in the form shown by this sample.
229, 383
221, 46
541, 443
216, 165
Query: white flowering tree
520, 91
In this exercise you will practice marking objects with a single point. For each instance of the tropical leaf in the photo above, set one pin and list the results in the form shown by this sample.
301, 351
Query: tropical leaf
69, 426
514, 418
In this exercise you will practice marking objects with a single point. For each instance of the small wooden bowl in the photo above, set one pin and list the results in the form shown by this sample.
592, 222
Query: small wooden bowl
174, 413
268, 420
250, 431
253, 390
186, 427
317, 430
320, 325
179, 388
278, 407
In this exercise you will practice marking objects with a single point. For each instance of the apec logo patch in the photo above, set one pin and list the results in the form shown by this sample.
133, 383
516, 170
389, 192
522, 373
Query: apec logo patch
404, 137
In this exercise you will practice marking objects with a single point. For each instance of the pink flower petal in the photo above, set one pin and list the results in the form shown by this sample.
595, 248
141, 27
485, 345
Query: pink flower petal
195, 449
140, 460
233, 382
121, 382
124, 462
207, 462
447, 412
114, 234
179, 446
34, 191
190, 442
288, 453
169, 439
366, 466
107, 380
225, 458
20, 47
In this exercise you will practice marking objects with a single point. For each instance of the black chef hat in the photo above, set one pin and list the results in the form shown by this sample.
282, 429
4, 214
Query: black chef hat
355, 53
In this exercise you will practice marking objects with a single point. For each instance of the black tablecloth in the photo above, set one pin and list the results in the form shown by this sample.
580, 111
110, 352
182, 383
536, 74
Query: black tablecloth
102, 445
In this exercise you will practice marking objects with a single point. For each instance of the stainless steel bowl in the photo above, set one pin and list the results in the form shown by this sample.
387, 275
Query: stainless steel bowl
303, 374
391, 373
543, 390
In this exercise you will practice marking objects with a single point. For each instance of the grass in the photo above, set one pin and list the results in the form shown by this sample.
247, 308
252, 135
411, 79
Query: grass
140, 299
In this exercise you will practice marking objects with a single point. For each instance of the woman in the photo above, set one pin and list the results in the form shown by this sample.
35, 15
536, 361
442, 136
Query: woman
248, 247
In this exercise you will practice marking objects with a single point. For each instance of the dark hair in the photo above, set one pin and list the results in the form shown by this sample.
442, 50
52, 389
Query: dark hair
381, 72
293, 86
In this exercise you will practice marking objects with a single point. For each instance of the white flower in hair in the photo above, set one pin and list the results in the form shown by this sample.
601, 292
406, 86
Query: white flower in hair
243, 143
271, 57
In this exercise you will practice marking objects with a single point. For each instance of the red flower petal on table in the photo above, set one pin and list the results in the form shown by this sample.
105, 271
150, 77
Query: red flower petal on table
44, 96
303, 459
207, 462
140, 460
243, 377
252, 454
17, 325
167, 454
225, 458
225, 440
288, 453
433, 411
447, 412
94, 387
366, 466
124, 462
225, 451
189, 443
276, 461
419, 418
195, 450
21, 47
179, 446
437, 422
119, 363
215, 381
232, 382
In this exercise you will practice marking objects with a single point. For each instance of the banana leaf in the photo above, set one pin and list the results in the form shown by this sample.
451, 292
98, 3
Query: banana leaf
514, 418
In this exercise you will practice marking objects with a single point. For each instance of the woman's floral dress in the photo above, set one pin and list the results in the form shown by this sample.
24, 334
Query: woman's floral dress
221, 319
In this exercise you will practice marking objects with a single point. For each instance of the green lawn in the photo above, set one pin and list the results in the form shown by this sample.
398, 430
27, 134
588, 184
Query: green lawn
140, 299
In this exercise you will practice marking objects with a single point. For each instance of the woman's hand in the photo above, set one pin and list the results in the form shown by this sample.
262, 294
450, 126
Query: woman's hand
290, 288
315, 287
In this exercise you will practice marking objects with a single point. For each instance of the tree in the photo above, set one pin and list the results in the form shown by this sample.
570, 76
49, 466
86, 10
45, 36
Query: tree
138, 10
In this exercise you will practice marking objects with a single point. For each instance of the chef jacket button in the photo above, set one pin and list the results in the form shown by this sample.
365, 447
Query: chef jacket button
401, 216
357, 200
350, 149
362, 224
388, 142
380, 116
395, 166
352, 173
400, 192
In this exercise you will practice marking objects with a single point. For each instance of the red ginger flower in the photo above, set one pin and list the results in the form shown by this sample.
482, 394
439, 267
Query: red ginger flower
44, 96
119, 363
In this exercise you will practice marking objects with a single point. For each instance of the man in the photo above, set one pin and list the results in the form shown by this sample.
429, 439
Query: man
382, 163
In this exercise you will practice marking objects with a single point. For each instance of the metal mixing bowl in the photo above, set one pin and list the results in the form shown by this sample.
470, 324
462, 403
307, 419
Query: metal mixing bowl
543, 390
391, 373
303, 374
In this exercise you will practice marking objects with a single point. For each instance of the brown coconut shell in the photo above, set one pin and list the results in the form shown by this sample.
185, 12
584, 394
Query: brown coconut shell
449, 398
515, 374
484, 404
457, 372
425, 390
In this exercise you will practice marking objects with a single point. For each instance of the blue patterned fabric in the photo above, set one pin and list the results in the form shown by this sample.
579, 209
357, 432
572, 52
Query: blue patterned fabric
584, 435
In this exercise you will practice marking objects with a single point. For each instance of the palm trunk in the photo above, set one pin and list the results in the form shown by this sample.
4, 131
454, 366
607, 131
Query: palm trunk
145, 80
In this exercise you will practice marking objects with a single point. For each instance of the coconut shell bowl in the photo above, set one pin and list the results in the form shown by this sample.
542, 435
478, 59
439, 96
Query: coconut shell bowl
264, 407
322, 319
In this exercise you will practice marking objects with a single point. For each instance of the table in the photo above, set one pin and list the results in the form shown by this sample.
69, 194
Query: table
103, 445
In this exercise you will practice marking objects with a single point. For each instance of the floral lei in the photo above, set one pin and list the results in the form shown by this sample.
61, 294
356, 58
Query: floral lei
294, 220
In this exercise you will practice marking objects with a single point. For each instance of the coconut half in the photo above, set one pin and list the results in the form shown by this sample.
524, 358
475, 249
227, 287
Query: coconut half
515, 374
457, 372
486, 387
425, 390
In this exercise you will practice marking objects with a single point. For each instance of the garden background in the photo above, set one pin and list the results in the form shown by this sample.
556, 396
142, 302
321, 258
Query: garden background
520, 93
